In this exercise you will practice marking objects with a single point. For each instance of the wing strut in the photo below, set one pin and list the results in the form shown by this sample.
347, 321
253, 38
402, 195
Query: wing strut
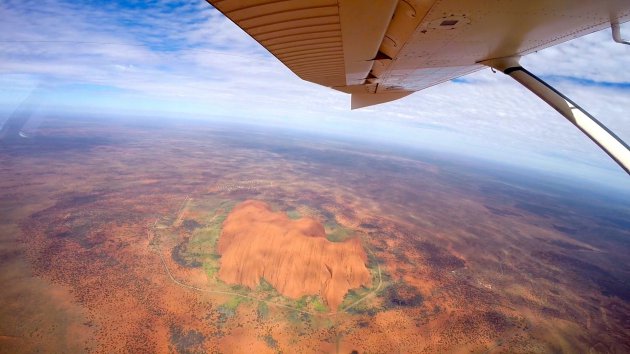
594, 129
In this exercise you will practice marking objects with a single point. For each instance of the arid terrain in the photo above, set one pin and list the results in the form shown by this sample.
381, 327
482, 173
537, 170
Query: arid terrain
145, 236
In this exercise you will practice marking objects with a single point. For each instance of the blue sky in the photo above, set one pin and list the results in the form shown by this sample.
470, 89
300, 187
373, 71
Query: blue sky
183, 58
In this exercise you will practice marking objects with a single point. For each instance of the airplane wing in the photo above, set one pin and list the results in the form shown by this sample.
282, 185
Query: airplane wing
381, 50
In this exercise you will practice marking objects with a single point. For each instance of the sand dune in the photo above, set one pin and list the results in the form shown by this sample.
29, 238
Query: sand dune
292, 255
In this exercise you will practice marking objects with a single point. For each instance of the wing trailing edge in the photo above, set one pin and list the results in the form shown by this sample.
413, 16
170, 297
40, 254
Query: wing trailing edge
360, 100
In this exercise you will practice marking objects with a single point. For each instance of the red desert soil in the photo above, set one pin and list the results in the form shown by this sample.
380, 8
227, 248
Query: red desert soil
292, 255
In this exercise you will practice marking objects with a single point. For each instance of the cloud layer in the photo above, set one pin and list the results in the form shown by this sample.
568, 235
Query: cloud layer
185, 57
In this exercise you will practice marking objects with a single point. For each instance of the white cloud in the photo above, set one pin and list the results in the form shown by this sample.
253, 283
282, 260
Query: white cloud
593, 57
185, 54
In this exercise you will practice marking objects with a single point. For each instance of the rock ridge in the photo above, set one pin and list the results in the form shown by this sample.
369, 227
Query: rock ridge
294, 256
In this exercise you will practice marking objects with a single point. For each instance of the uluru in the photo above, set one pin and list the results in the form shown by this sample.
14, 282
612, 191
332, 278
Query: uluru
294, 256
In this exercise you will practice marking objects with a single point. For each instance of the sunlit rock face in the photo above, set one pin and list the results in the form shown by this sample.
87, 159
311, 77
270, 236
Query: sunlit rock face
292, 255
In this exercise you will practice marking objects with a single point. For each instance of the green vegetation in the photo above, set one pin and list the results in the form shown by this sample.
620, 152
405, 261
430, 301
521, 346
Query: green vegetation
400, 294
293, 316
271, 342
293, 214
336, 232
311, 303
303, 305
372, 260
267, 290
238, 288
367, 306
211, 207
363, 308
265, 286
200, 250
297, 317
351, 297
318, 305
228, 309
186, 341
300, 304
232, 303
210, 269
203, 240
262, 311
385, 277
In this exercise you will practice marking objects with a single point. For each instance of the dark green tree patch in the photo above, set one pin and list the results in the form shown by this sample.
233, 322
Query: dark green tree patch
400, 294
186, 341
190, 225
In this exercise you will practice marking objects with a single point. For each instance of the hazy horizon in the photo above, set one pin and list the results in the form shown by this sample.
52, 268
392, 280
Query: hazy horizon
176, 59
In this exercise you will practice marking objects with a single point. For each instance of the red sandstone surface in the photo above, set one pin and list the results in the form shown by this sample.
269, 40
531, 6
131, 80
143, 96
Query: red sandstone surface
292, 255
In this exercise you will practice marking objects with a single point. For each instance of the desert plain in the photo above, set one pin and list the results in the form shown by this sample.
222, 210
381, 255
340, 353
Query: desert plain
186, 236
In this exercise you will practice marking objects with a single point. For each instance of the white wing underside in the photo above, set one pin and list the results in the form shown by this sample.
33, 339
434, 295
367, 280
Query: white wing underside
381, 50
